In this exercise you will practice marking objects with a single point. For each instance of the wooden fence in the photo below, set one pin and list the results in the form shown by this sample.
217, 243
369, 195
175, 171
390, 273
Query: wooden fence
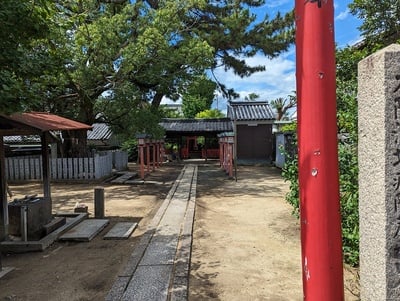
96, 167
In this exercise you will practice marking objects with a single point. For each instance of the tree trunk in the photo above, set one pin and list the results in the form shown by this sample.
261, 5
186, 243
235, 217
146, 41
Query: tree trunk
157, 100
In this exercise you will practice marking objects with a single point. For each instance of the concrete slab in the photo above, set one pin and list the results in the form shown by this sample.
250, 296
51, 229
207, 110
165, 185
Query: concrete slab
149, 283
125, 177
121, 230
86, 230
5, 270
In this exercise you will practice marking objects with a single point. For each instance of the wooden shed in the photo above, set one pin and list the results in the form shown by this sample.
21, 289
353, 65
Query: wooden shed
33, 123
252, 122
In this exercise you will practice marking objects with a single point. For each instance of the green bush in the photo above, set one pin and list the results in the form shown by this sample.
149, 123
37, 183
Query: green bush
131, 147
290, 173
348, 179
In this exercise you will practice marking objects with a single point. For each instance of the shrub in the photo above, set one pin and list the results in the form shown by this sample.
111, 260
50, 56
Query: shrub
348, 179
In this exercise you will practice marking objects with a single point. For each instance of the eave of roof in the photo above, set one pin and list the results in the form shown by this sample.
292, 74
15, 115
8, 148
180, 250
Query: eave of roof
196, 126
100, 131
37, 122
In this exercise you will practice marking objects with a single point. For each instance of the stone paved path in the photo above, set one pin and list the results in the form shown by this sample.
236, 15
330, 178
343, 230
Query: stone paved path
158, 268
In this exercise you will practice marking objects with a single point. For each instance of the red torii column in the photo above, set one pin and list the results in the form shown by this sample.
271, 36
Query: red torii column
318, 157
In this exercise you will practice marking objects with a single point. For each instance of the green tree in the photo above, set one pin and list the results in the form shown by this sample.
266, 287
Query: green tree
22, 22
167, 112
282, 105
380, 24
252, 97
198, 96
85, 59
212, 113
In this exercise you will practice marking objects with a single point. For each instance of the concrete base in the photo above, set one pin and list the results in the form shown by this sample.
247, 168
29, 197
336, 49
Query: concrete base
41, 245
5, 270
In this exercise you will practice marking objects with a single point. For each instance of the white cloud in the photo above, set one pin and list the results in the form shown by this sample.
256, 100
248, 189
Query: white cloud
342, 15
278, 80
279, 3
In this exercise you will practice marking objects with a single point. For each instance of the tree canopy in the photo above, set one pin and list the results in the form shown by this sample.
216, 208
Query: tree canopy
211, 113
21, 61
282, 105
109, 59
198, 96
380, 20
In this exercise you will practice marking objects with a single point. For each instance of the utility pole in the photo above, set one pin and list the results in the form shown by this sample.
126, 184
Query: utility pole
321, 241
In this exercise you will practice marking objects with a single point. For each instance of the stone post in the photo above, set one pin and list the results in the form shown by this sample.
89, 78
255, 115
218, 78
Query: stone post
379, 174
99, 202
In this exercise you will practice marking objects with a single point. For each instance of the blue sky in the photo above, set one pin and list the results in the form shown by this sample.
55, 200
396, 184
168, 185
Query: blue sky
278, 80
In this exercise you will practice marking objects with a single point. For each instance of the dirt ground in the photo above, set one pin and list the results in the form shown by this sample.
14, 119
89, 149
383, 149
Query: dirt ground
84, 270
246, 243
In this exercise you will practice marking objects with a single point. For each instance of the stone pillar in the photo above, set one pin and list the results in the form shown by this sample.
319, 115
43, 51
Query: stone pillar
99, 202
379, 174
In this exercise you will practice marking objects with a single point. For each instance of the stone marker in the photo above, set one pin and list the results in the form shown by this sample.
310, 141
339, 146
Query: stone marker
379, 174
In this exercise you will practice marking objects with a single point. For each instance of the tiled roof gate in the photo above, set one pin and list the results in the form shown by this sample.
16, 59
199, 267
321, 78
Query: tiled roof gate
252, 121
246, 111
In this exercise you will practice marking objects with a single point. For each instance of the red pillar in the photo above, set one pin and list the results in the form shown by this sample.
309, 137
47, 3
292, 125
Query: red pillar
162, 152
148, 155
153, 146
158, 153
318, 158
225, 154
230, 160
141, 158
231, 140
221, 152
